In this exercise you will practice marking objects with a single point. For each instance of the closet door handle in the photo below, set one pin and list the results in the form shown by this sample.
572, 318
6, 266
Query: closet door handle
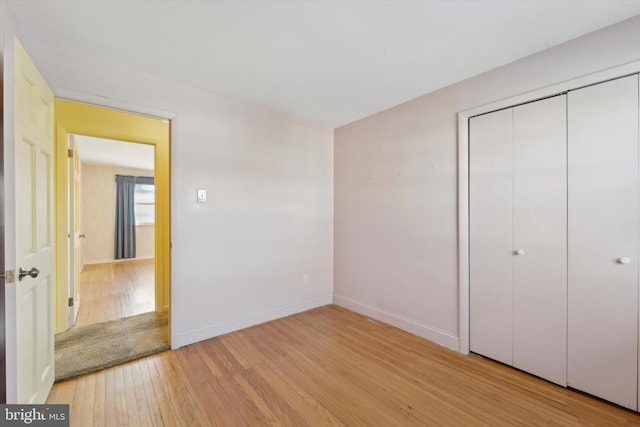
519, 252
624, 260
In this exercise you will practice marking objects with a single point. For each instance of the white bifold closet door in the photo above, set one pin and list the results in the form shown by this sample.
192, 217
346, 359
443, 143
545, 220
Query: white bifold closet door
490, 235
540, 230
518, 237
603, 240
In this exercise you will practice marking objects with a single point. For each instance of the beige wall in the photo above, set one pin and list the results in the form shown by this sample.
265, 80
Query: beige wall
98, 206
240, 258
395, 180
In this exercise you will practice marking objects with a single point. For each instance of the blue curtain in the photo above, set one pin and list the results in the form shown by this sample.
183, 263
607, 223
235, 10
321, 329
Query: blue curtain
125, 235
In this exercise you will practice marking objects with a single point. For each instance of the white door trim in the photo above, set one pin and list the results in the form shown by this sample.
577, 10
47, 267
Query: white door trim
463, 174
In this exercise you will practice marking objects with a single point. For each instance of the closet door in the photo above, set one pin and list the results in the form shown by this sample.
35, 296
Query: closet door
603, 240
491, 245
540, 238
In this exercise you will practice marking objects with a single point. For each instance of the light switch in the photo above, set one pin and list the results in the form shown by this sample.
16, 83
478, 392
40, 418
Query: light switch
202, 196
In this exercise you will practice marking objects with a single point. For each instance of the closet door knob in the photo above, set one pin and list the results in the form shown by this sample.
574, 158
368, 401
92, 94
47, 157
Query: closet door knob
520, 252
624, 260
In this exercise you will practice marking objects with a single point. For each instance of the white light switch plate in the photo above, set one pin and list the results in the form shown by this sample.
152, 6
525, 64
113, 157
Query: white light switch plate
202, 196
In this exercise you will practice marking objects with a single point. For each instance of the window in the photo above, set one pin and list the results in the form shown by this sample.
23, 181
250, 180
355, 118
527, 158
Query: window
145, 204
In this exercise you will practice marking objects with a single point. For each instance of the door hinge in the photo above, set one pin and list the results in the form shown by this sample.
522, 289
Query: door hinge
9, 276
70, 152
71, 302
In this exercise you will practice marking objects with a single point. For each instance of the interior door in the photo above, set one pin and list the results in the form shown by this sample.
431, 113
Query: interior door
518, 273
491, 238
34, 231
603, 240
75, 235
540, 238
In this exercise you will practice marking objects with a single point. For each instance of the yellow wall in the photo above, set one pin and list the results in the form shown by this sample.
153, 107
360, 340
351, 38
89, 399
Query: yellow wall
82, 119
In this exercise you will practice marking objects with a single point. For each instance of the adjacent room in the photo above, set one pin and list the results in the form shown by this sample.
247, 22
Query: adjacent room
107, 251
111, 258
346, 212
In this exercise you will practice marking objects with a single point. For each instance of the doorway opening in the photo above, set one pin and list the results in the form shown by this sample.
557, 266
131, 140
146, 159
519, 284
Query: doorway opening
97, 281
107, 283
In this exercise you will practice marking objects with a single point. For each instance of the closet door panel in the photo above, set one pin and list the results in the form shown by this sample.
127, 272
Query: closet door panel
540, 232
603, 235
490, 209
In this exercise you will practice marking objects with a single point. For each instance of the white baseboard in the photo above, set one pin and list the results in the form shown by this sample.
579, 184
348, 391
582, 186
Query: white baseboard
422, 330
183, 339
109, 261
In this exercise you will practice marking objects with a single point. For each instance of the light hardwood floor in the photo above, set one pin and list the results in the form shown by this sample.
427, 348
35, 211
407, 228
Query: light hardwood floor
324, 367
114, 290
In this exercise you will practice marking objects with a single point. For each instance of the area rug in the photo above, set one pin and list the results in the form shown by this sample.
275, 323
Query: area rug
85, 349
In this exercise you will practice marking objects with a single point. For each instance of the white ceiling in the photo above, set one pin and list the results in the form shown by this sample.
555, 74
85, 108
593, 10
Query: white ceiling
110, 152
330, 62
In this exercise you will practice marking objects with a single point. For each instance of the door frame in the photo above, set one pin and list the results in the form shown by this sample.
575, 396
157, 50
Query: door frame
3, 362
89, 120
463, 174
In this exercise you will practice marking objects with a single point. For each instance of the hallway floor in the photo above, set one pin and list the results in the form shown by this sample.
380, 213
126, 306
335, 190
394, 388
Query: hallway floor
114, 290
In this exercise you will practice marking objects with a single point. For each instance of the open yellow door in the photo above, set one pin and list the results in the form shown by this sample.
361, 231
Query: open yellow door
34, 245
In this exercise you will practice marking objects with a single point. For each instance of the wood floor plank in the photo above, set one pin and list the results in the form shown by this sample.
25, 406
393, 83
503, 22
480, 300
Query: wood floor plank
269, 403
63, 392
111, 416
301, 400
195, 373
159, 404
81, 400
193, 387
89, 398
222, 358
346, 400
170, 410
412, 391
100, 398
147, 404
325, 367
137, 400
123, 414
